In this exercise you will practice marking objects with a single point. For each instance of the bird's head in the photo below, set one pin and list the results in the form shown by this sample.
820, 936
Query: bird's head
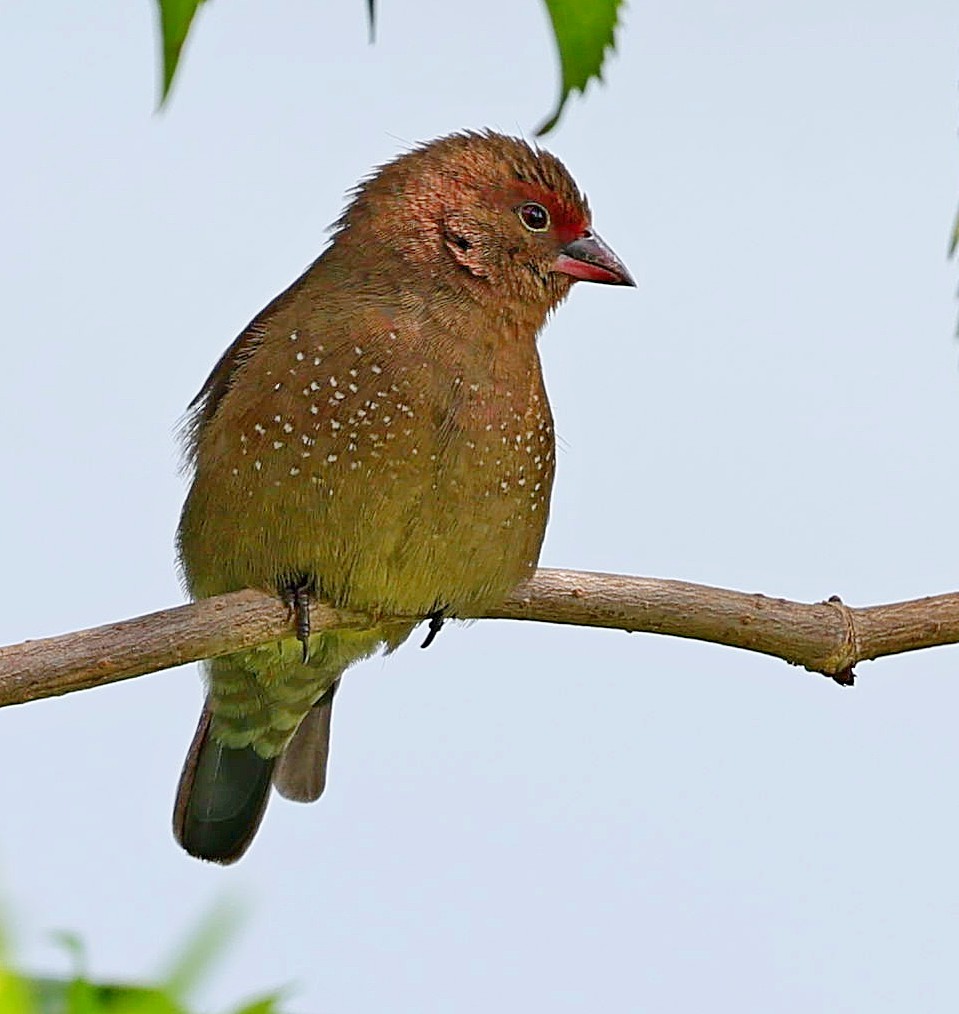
502, 218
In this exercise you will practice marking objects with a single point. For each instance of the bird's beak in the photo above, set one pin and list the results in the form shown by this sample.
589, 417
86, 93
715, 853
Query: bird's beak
590, 259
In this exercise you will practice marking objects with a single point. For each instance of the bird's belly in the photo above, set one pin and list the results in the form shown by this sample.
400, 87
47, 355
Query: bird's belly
460, 551
406, 534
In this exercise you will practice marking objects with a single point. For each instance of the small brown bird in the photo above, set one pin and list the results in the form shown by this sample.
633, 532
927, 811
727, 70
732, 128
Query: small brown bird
379, 437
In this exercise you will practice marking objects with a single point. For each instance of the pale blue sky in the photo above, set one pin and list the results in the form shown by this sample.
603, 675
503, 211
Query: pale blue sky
521, 818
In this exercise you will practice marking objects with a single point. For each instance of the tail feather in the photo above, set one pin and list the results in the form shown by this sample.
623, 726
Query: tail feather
221, 797
300, 773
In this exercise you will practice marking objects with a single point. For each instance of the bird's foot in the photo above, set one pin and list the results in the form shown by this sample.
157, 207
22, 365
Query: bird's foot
437, 619
297, 595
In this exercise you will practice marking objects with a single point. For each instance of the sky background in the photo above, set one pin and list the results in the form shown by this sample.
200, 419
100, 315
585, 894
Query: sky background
522, 818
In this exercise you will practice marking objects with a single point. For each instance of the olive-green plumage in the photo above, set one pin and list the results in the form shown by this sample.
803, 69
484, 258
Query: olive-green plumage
381, 432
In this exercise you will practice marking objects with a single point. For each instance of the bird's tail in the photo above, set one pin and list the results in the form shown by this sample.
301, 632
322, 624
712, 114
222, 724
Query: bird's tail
266, 695
300, 773
221, 797
224, 790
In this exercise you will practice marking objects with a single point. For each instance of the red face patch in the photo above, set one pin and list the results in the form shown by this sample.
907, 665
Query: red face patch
566, 222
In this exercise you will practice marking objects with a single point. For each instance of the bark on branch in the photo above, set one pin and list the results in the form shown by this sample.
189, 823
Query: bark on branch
826, 637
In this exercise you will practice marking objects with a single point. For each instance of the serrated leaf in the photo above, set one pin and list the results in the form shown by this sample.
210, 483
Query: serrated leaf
176, 17
585, 34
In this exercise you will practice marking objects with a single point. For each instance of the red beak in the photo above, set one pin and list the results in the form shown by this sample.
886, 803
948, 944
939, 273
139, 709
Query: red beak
591, 260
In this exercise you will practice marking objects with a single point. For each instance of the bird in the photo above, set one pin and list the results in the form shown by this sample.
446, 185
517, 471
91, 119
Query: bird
378, 437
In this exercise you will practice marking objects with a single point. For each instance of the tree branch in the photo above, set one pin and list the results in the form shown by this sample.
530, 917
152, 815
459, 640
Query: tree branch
826, 637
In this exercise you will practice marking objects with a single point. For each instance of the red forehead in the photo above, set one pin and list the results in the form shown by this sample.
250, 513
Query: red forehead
569, 221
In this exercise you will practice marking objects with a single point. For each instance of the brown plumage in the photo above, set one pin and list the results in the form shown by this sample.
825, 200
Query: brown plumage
380, 436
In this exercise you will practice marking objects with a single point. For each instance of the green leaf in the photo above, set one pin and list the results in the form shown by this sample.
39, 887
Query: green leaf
263, 1005
585, 33
195, 957
16, 997
73, 945
176, 17
80, 996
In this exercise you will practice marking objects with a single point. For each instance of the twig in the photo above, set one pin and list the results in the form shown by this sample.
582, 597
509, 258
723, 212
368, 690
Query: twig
827, 637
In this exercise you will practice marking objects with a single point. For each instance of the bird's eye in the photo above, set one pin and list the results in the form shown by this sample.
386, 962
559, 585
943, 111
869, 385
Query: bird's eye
534, 216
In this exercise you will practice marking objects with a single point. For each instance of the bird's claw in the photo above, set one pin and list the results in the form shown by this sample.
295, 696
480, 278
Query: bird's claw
297, 595
436, 618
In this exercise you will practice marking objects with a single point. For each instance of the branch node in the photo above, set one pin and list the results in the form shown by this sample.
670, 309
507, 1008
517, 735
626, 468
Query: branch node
839, 665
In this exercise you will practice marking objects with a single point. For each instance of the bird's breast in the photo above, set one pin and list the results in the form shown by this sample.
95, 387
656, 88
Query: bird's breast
403, 482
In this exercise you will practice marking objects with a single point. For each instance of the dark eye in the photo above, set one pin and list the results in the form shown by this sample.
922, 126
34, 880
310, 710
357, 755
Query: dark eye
534, 216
